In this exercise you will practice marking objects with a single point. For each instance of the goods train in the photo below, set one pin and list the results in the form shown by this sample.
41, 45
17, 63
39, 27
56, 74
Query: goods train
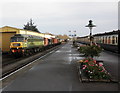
108, 40
17, 41
22, 44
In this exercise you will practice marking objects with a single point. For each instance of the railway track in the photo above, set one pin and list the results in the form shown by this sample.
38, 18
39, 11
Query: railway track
15, 64
11, 60
8, 59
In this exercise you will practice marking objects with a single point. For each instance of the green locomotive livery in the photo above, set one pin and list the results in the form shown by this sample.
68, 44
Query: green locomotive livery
23, 44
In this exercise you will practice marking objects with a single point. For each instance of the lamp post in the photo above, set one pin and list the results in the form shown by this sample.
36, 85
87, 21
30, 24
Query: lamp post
90, 25
72, 34
75, 35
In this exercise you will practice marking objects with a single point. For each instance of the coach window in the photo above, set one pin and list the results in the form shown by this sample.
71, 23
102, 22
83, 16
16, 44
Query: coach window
116, 40
109, 40
106, 40
113, 39
100, 39
103, 40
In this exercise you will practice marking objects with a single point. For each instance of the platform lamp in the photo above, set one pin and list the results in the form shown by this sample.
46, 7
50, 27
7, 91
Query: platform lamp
90, 25
75, 35
70, 34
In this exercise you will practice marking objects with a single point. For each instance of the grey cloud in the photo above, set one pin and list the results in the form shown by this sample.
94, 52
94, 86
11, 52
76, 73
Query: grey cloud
62, 17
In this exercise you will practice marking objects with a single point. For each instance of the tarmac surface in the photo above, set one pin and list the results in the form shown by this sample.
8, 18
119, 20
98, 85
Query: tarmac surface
58, 72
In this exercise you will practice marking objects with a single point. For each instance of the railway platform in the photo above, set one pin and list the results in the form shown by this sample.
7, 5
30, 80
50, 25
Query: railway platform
58, 72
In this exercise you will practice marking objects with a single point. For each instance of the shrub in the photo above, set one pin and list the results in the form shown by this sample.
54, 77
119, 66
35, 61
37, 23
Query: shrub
90, 51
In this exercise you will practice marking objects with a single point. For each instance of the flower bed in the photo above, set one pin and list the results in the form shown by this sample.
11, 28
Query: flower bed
91, 70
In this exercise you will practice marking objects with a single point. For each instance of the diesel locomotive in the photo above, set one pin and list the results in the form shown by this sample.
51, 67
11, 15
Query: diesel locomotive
22, 44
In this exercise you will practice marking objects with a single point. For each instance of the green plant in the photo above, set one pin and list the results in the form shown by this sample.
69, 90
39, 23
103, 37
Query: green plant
90, 51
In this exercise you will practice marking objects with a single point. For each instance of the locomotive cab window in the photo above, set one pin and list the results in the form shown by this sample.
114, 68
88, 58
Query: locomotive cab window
17, 39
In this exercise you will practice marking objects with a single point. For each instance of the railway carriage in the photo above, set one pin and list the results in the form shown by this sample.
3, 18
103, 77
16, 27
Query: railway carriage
108, 40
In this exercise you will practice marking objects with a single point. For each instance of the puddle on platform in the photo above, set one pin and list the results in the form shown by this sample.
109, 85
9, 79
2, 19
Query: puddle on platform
63, 51
74, 54
73, 58
69, 60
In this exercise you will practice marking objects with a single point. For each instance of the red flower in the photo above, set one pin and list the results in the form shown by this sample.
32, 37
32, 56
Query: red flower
94, 61
86, 61
100, 64
84, 67
102, 71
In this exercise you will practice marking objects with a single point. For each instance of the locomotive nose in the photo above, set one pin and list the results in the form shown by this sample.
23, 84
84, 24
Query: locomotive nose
16, 44
16, 47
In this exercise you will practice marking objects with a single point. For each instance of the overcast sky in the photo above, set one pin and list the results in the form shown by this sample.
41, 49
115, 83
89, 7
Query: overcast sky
61, 17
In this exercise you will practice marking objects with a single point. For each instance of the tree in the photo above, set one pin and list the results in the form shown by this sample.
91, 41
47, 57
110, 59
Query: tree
30, 26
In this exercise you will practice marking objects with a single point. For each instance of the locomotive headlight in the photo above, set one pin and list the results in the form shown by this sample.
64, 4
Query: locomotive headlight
23, 50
